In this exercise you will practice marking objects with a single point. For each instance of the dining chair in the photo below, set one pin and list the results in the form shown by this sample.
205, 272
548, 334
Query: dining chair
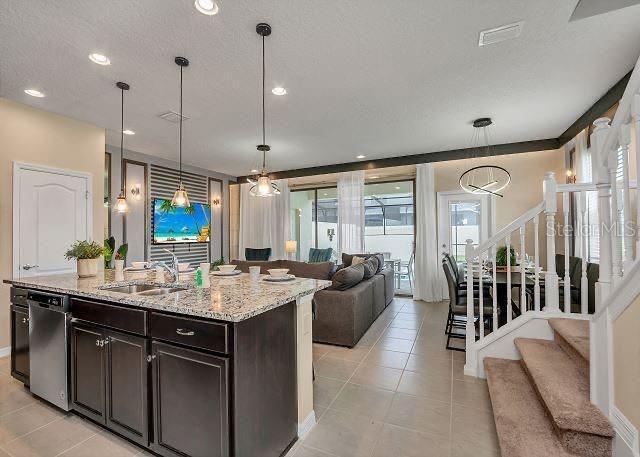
457, 316
253, 254
320, 255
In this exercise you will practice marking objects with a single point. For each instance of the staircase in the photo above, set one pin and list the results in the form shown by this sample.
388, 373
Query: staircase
541, 403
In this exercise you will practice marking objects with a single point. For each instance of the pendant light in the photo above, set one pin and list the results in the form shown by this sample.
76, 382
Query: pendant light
180, 197
263, 186
121, 205
484, 179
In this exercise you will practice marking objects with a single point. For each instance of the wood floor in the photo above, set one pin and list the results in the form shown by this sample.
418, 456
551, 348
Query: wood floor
398, 393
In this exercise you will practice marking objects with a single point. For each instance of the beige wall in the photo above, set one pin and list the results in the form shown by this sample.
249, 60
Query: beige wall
234, 221
525, 191
626, 363
38, 137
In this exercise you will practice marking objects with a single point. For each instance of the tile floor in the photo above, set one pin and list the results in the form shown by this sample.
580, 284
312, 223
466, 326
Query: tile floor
398, 393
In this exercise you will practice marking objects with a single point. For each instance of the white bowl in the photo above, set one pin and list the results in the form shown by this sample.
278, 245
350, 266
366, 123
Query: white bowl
278, 272
226, 268
183, 266
139, 265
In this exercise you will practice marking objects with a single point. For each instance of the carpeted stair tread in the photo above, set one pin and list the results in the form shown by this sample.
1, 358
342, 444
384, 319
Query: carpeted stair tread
575, 332
563, 388
524, 429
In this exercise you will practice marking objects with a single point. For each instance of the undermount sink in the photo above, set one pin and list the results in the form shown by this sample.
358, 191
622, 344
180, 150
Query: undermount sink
144, 289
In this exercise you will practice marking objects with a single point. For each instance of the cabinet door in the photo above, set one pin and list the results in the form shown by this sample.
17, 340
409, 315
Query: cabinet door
20, 343
190, 407
88, 371
127, 389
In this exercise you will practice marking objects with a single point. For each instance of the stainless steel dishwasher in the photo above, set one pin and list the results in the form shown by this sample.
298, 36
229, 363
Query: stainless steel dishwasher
49, 323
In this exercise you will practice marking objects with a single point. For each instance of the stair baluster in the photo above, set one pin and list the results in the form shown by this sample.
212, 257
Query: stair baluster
523, 278
582, 226
635, 116
536, 262
616, 210
550, 276
507, 242
625, 142
565, 234
495, 288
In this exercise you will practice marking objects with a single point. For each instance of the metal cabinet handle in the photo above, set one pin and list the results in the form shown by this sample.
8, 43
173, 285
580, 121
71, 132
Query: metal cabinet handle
183, 332
26, 266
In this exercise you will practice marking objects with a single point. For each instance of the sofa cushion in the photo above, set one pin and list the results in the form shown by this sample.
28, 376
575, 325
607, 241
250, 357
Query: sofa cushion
347, 277
379, 298
321, 270
347, 259
356, 260
370, 267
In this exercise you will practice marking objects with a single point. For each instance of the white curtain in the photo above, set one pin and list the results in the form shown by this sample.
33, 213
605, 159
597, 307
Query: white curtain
351, 212
265, 222
427, 283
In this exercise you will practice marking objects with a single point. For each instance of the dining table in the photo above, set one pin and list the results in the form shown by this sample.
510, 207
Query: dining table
501, 292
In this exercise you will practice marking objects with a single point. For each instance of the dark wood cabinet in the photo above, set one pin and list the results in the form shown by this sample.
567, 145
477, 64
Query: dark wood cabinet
20, 343
127, 391
190, 402
110, 379
88, 371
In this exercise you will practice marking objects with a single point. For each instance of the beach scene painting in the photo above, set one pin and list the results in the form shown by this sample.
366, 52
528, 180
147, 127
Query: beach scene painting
173, 224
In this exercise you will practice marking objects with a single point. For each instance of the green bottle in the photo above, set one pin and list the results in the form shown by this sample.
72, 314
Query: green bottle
199, 277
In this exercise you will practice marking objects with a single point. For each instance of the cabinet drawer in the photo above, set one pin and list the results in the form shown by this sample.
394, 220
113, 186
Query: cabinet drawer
118, 317
213, 336
19, 296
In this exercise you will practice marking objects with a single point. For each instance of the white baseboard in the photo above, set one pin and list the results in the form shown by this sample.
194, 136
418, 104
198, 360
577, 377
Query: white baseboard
626, 442
5, 352
306, 425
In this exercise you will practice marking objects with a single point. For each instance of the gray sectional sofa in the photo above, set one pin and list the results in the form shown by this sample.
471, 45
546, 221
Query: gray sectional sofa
342, 313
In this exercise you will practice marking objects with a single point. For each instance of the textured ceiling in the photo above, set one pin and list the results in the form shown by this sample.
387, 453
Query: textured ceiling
373, 77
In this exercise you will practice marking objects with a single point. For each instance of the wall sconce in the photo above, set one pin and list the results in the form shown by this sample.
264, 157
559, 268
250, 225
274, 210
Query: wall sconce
136, 192
571, 176
331, 233
215, 201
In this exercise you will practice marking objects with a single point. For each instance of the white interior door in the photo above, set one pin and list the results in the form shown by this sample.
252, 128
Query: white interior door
463, 216
51, 211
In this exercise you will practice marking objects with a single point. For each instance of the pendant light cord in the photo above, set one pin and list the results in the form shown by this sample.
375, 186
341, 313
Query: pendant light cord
264, 153
122, 140
181, 125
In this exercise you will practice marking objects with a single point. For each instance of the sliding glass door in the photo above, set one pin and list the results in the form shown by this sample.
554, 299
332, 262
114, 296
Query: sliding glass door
389, 227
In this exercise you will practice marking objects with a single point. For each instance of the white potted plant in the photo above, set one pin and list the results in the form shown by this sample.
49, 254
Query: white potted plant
87, 254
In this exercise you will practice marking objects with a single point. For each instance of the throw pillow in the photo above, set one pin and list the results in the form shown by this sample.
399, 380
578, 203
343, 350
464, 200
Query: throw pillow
370, 267
357, 260
347, 277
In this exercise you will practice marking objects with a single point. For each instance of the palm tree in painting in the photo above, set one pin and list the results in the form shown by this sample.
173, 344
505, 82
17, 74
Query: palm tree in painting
166, 207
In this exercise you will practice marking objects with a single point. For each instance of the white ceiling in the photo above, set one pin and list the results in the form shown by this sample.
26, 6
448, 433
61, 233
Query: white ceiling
375, 77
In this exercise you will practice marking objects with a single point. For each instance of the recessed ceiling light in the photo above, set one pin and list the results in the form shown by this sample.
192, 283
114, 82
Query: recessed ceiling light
279, 91
397, 187
34, 93
254, 171
375, 177
325, 194
208, 7
128, 132
99, 59
360, 156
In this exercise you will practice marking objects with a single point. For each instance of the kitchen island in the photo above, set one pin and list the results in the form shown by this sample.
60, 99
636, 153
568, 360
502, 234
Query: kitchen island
182, 371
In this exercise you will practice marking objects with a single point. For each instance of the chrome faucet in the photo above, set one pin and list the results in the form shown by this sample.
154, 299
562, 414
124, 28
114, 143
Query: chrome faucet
173, 269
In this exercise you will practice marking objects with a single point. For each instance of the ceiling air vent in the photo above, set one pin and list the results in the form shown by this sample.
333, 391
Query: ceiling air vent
502, 33
172, 116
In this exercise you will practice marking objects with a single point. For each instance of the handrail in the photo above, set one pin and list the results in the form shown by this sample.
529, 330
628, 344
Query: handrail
623, 111
587, 186
523, 219
626, 291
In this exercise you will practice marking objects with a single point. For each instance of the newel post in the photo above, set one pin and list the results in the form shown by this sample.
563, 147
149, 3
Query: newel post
603, 186
627, 232
550, 276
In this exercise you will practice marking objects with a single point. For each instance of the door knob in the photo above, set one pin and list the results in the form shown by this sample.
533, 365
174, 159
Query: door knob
26, 266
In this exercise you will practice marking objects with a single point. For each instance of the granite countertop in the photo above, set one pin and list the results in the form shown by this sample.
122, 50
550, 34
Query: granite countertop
231, 299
